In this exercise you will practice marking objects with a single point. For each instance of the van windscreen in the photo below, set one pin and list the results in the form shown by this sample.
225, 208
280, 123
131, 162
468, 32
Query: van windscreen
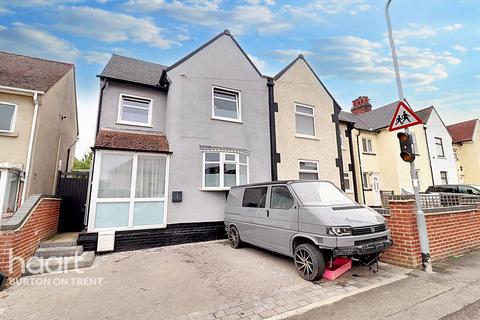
320, 193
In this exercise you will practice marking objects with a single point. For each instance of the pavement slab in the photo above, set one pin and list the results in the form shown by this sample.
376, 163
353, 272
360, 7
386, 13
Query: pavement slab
206, 280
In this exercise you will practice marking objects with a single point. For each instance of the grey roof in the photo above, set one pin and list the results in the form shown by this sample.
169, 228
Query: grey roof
424, 114
133, 70
373, 120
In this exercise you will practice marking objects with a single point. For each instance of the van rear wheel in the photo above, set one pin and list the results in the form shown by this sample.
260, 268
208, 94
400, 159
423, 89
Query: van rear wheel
309, 262
234, 237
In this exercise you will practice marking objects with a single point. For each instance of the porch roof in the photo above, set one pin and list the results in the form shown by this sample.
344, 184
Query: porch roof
132, 140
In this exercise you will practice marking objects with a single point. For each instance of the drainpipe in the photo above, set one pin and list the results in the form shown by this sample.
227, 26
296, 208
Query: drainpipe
360, 165
100, 98
30, 146
352, 161
69, 150
273, 142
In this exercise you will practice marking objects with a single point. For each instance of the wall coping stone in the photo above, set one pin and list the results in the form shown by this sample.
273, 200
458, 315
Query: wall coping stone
20, 217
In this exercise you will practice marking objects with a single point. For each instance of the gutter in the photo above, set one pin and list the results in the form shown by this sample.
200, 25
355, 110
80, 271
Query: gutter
30, 144
20, 90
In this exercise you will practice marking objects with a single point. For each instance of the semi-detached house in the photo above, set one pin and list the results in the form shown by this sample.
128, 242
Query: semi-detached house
170, 142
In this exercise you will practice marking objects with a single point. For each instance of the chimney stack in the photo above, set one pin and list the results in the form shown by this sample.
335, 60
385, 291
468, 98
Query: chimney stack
361, 105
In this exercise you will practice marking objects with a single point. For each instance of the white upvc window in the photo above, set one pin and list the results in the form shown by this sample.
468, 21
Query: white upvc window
226, 104
366, 180
342, 142
439, 147
10, 189
129, 191
134, 110
347, 181
222, 170
444, 177
307, 170
305, 121
367, 145
8, 112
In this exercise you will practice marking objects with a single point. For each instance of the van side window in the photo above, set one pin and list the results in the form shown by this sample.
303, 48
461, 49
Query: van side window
254, 197
281, 198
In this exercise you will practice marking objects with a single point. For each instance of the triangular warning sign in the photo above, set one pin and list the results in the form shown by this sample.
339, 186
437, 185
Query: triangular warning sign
403, 117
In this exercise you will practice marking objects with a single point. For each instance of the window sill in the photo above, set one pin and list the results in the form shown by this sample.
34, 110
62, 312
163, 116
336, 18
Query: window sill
369, 153
227, 120
8, 134
306, 137
134, 124
367, 189
441, 158
215, 189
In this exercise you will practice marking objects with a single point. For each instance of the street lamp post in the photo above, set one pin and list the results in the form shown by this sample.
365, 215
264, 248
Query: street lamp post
421, 222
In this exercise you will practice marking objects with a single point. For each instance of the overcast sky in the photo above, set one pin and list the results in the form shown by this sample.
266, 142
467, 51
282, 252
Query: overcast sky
344, 40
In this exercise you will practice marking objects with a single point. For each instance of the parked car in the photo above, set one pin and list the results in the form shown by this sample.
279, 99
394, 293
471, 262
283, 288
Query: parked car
311, 221
455, 188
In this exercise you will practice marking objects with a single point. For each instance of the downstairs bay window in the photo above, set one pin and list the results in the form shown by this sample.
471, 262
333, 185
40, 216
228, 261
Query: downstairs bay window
129, 191
222, 170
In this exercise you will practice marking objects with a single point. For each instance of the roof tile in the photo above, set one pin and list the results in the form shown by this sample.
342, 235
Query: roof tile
462, 131
128, 140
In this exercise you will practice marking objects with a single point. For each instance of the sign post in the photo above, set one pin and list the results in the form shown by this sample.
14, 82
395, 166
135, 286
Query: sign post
421, 222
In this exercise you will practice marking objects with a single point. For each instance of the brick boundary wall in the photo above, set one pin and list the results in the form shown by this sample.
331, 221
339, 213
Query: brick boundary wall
20, 243
450, 232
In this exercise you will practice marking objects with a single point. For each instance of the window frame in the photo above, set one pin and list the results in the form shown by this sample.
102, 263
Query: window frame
239, 104
348, 175
366, 145
317, 171
131, 199
366, 181
301, 135
14, 117
222, 163
437, 139
134, 123
446, 177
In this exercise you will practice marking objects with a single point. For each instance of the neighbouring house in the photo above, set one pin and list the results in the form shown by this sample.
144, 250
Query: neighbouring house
376, 153
171, 141
440, 149
466, 145
38, 126
308, 137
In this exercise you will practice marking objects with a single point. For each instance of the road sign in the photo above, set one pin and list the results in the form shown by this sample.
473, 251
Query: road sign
403, 117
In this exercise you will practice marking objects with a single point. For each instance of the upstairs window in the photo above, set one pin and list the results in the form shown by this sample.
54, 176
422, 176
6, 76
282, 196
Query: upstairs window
226, 104
135, 111
222, 170
304, 121
444, 177
439, 146
308, 170
7, 116
367, 145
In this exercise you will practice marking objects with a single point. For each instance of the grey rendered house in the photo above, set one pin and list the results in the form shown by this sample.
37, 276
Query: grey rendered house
170, 143
38, 126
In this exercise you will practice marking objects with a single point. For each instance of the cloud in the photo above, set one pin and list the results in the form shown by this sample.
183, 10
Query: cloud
29, 40
259, 63
4, 10
459, 48
416, 31
241, 18
97, 57
476, 48
477, 76
37, 3
111, 27
317, 10
287, 55
452, 27
426, 89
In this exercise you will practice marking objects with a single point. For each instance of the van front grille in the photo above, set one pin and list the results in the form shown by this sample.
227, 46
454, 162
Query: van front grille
360, 231
366, 241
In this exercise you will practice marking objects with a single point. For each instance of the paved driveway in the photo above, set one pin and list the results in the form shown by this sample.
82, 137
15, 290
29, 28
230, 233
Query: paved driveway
206, 280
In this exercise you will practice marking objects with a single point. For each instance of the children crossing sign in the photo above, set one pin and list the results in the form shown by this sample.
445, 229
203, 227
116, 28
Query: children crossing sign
403, 117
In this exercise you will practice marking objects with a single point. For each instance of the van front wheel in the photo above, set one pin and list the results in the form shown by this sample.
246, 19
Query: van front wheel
234, 237
309, 262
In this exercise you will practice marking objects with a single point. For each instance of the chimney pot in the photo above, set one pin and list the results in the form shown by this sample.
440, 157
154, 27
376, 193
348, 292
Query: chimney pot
361, 105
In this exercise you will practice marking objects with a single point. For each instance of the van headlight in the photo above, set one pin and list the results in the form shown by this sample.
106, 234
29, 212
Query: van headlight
339, 231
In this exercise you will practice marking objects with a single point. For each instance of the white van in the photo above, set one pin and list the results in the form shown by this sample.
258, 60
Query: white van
311, 221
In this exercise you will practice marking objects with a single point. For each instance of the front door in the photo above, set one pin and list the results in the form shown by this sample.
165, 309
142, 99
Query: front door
282, 218
377, 199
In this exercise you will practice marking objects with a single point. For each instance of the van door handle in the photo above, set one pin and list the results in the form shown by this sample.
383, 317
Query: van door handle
268, 213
